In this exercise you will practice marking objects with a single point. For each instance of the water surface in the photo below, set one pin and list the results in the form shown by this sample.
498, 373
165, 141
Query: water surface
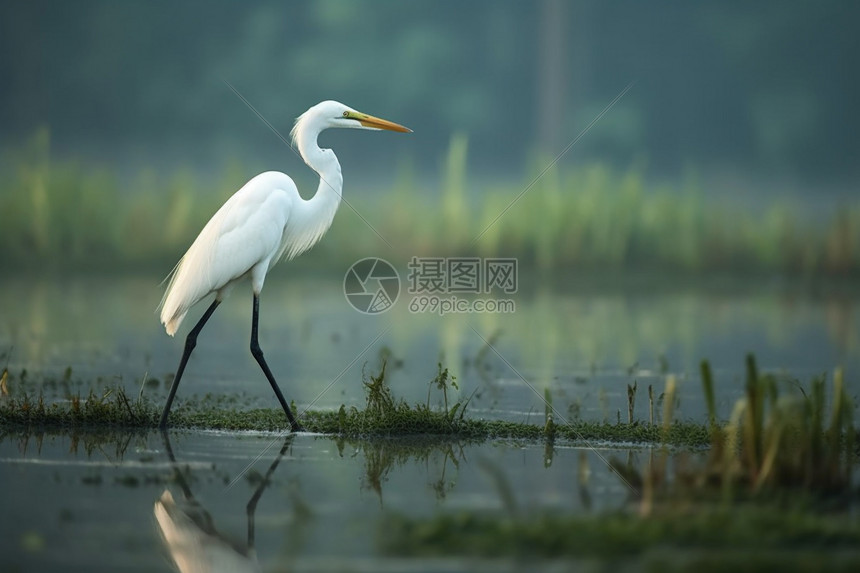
584, 343
90, 503
86, 505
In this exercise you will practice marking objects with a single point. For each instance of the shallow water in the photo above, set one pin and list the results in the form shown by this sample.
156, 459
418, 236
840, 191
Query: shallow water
322, 509
89, 503
582, 342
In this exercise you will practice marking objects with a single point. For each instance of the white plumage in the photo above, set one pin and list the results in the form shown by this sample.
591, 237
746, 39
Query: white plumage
264, 220
247, 235
261, 223
193, 542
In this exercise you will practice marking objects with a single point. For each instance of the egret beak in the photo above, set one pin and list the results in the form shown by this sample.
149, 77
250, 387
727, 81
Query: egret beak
375, 122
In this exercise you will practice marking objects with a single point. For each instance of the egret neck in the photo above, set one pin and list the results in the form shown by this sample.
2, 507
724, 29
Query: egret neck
312, 218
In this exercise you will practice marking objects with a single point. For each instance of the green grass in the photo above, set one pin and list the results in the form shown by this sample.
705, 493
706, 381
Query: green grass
771, 443
767, 437
66, 214
763, 534
114, 409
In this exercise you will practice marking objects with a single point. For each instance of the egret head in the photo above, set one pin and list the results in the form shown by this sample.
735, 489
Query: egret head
328, 114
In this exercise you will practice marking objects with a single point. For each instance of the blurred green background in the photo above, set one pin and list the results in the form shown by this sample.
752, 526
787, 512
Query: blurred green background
735, 150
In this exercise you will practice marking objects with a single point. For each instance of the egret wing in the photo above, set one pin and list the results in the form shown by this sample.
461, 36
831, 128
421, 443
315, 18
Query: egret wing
245, 232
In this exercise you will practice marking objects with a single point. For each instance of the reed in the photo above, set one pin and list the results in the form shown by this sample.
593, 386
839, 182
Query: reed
67, 214
775, 440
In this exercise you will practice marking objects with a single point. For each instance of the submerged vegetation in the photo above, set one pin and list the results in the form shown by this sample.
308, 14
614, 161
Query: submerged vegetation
63, 213
769, 439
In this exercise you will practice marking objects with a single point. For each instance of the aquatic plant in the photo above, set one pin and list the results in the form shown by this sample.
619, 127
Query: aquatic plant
26, 407
780, 440
773, 441
778, 454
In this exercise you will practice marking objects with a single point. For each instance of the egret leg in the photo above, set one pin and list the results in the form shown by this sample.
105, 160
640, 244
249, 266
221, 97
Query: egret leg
190, 343
251, 508
177, 473
258, 355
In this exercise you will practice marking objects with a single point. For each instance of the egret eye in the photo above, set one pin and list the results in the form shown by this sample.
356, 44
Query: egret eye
346, 114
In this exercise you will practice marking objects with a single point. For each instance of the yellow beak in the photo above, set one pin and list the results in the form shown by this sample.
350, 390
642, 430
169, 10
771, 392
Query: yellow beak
375, 122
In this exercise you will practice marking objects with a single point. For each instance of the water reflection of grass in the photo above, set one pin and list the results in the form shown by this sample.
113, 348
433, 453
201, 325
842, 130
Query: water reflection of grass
65, 214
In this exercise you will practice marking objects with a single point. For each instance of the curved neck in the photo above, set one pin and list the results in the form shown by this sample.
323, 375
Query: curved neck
314, 216
325, 163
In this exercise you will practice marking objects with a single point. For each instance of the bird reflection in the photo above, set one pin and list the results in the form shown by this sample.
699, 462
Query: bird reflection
189, 534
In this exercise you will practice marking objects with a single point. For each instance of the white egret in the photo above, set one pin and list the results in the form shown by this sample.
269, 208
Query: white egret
261, 223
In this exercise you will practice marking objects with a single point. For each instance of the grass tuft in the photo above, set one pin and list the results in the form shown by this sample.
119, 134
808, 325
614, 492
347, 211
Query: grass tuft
789, 442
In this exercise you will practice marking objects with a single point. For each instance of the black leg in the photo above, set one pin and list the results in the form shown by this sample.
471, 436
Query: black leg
252, 503
258, 355
178, 476
190, 343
